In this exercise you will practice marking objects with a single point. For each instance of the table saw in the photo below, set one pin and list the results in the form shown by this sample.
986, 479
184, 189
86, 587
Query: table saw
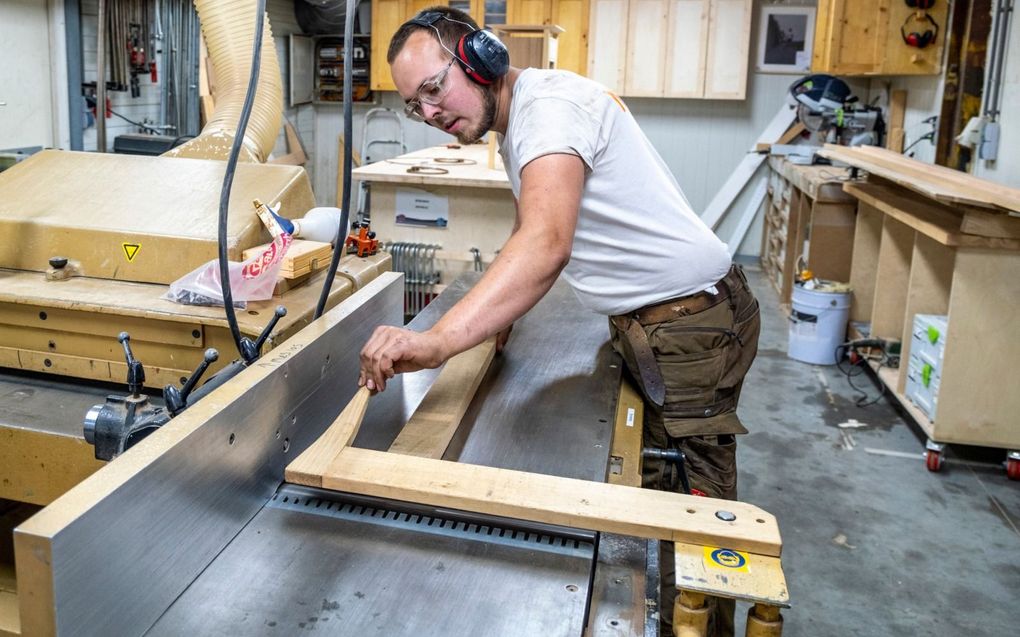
194, 531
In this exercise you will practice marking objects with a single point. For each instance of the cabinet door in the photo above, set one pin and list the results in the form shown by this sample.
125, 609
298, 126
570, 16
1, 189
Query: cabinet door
686, 49
646, 41
608, 33
572, 47
857, 35
387, 16
572, 15
729, 41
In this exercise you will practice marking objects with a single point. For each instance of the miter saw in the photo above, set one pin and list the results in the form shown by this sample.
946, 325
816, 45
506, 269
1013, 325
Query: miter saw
829, 109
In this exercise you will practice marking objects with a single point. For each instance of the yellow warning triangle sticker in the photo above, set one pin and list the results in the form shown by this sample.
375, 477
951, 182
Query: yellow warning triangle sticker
130, 250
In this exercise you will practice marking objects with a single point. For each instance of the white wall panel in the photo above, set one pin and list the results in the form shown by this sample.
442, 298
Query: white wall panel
26, 115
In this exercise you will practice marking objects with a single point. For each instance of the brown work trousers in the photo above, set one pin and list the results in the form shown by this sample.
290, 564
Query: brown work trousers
703, 358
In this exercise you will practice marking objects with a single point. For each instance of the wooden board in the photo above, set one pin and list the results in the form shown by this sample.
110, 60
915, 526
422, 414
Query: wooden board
303, 256
892, 279
937, 182
897, 110
934, 220
314, 460
553, 500
428, 432
761, 581
38, 467
978, 401
474, 171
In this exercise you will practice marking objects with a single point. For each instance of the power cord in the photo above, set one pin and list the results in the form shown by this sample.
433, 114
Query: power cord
345, 205
858, 362
228, 181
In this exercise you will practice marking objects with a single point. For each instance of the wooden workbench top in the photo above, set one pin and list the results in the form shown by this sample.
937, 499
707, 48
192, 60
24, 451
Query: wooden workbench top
464, 166
824, 183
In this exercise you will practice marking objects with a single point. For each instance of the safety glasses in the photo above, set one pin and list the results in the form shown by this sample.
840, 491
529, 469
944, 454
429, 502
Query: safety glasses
432, 91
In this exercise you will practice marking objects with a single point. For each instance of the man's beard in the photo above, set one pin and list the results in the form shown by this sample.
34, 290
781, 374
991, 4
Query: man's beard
472, 135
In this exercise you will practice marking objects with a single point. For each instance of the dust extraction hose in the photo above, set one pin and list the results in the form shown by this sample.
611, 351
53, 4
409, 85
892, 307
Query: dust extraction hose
226, 25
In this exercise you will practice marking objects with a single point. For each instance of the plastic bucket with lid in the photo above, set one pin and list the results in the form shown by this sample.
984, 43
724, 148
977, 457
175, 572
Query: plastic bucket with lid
818, 323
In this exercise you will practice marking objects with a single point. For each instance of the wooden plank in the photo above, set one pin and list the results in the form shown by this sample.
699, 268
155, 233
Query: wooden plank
978, 401
864, 263
990, 225
748, 216
831, 240
302, 257
892, 279
761, 581
428, 432
724, 198
934, 220
548, 499
897, 111
38, 467
625, 455
938, 182
311, 464
465, 166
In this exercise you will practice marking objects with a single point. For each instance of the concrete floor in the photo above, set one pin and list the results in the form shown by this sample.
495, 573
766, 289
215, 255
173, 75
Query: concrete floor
874, 544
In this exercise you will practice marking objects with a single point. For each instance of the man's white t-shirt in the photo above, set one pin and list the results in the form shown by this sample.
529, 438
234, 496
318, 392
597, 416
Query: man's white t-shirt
637, 240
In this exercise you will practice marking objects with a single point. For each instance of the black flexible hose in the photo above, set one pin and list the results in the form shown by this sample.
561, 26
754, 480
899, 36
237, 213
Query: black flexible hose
228, 177
345, 206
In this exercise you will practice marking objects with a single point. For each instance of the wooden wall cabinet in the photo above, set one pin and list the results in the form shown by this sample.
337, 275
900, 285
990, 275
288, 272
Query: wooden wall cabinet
671, 48
571, 46
862, 37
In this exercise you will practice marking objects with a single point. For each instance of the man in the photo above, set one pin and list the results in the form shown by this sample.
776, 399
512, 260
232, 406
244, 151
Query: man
596, 203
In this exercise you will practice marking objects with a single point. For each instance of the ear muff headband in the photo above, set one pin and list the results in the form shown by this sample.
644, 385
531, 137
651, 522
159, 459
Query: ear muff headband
482, 56
920, 39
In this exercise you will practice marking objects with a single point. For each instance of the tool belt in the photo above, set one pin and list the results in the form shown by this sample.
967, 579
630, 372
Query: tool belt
632, 325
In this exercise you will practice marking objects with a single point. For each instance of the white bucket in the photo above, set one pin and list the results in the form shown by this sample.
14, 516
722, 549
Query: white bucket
817, 324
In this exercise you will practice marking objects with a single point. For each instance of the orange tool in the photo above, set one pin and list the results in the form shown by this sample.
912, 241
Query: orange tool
361, 240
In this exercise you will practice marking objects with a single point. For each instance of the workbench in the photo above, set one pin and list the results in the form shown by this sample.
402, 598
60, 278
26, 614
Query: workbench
192, 531
479, 201
931, 240
809, 217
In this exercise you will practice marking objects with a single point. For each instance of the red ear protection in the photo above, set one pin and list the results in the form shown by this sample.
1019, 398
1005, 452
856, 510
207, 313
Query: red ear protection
480, 53
919, 39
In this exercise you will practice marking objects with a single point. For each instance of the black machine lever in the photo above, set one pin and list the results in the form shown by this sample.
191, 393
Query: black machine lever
135, 371
122, 421
250, 351
177, 399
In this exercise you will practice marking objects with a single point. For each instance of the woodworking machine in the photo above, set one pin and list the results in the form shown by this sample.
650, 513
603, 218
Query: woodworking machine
91, 242
193, 530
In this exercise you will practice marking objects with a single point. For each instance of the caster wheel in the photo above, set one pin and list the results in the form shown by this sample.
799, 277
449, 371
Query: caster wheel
1013, 469
933, 460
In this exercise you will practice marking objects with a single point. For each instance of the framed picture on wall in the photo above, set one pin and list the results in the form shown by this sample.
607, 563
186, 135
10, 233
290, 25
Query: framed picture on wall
785, 37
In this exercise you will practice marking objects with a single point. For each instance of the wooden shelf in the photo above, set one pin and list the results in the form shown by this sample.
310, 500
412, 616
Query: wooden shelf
911, 257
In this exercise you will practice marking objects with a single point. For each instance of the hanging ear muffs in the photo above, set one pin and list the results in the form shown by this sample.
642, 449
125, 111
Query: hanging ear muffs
923, 5
480, 53
919, 39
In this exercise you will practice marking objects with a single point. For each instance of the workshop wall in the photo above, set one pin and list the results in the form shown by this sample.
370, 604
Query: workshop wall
144, 109
1007, 169
26, 118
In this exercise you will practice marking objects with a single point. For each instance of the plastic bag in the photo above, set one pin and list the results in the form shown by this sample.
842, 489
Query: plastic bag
251, 280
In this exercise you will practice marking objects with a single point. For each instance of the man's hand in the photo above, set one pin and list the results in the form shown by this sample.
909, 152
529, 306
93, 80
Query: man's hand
394, 350
502, 337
